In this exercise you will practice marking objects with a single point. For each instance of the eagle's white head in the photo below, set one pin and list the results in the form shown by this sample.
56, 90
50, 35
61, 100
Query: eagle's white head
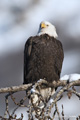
47, 28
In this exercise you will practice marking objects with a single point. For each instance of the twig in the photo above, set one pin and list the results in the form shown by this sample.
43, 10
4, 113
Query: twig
63, 113
20, 104
54, 114
76, 93
7, 106
57, 111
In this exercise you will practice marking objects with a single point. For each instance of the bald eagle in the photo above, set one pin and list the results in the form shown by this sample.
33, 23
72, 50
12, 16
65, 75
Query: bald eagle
43, 56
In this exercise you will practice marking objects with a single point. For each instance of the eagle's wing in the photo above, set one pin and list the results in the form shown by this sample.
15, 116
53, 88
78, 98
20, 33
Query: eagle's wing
59, 58
27, 53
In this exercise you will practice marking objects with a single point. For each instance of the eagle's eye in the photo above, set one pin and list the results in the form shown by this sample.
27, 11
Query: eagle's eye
47, 25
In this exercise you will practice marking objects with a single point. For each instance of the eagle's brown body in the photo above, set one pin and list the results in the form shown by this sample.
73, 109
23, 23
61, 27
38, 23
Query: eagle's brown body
43, 57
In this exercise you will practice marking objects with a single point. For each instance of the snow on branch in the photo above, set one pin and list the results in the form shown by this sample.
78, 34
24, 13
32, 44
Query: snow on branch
38, 107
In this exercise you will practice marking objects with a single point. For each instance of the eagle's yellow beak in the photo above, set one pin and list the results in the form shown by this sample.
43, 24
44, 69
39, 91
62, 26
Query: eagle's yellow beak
43, 25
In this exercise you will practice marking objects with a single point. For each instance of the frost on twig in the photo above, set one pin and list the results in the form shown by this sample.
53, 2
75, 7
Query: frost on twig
39, 108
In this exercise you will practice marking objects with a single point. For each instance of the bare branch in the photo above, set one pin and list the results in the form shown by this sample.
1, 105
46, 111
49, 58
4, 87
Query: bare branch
15, 88
27, 86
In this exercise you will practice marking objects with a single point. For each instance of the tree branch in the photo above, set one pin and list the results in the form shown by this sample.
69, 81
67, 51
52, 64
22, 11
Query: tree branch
27, 86
44, 111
